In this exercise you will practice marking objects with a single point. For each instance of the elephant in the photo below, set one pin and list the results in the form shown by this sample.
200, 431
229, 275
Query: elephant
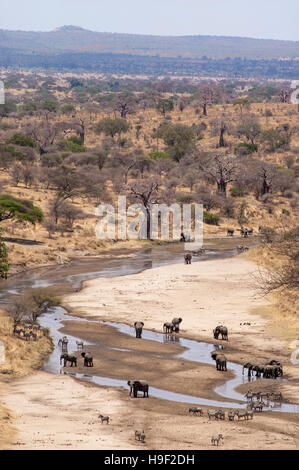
138, 386
274, 362
88, 359
138, 325
220, 360
272, 372
188, 258
66, 358
248, 366
176, 324
259, 369
168, 327
221, 330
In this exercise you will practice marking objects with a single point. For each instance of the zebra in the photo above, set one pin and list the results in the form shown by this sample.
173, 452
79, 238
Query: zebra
104, 418
195, 411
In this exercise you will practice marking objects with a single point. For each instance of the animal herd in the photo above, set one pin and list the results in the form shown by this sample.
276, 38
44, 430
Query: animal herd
72, 360
26, 331
271, 370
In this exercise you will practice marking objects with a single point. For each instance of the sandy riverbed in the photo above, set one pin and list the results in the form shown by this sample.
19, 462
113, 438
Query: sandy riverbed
59, 412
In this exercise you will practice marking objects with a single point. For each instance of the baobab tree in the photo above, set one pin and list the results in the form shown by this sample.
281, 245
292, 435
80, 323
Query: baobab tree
222, 170
125, 104
146, 192
206, 98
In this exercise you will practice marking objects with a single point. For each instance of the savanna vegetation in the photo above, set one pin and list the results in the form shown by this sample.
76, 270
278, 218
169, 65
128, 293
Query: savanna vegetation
69, 142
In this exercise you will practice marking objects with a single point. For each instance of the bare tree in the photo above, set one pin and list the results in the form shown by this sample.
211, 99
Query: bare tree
222, 170
206, 98
147, 192
125, 104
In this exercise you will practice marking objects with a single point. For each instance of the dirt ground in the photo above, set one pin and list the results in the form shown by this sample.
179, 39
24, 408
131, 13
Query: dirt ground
59, 412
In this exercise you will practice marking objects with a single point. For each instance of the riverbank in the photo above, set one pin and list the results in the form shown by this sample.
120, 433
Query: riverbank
204, 294
21, 358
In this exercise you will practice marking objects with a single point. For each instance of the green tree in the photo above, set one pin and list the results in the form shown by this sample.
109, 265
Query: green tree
20, 209
112, 127
275, 139
178, 137
164, 105
4, 264
23, 140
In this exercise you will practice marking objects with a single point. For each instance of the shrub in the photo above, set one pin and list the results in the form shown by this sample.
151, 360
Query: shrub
211, 219
245, 149
23, 140
237, 192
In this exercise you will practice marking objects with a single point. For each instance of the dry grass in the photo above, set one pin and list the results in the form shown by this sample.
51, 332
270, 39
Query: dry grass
21, 358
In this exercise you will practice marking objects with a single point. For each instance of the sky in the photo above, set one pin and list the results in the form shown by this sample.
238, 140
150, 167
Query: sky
269, 19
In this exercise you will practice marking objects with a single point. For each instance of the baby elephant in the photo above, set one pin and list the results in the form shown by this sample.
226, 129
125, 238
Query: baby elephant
195, 411
138, 325
215, 439
104, 418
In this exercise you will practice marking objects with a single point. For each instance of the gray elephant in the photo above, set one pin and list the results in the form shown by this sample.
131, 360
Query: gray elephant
272, 372
259, 369
138, 386
188, 258
168, 327
88, 359
66, 358
221, 330
138, 325
249, 366
176, 324
220, 360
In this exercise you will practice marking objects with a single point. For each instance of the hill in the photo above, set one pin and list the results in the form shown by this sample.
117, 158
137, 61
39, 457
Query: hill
77, 40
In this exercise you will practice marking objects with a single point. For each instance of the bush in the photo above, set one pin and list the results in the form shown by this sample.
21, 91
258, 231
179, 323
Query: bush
23, 140
237, 192
159, 155
245, 149
211, 219
73, 144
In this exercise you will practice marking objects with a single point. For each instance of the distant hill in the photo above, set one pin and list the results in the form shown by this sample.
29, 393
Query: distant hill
74, 39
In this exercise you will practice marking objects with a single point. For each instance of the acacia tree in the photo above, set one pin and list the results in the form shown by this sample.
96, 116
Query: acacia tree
249, 128
68, 183
222, 170
112, 127
164, 105
19, 209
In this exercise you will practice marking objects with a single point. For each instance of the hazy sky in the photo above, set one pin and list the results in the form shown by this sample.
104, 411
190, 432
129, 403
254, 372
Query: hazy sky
276, 19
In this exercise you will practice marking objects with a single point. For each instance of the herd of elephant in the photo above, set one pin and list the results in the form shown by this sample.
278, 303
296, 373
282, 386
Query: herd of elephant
72, 359
271, 370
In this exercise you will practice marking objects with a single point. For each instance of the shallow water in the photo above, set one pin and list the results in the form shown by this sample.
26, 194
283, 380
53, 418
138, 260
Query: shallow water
196, 351
80, 271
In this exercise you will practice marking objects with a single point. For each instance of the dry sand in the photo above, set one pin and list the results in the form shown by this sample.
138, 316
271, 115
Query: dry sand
58, 412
